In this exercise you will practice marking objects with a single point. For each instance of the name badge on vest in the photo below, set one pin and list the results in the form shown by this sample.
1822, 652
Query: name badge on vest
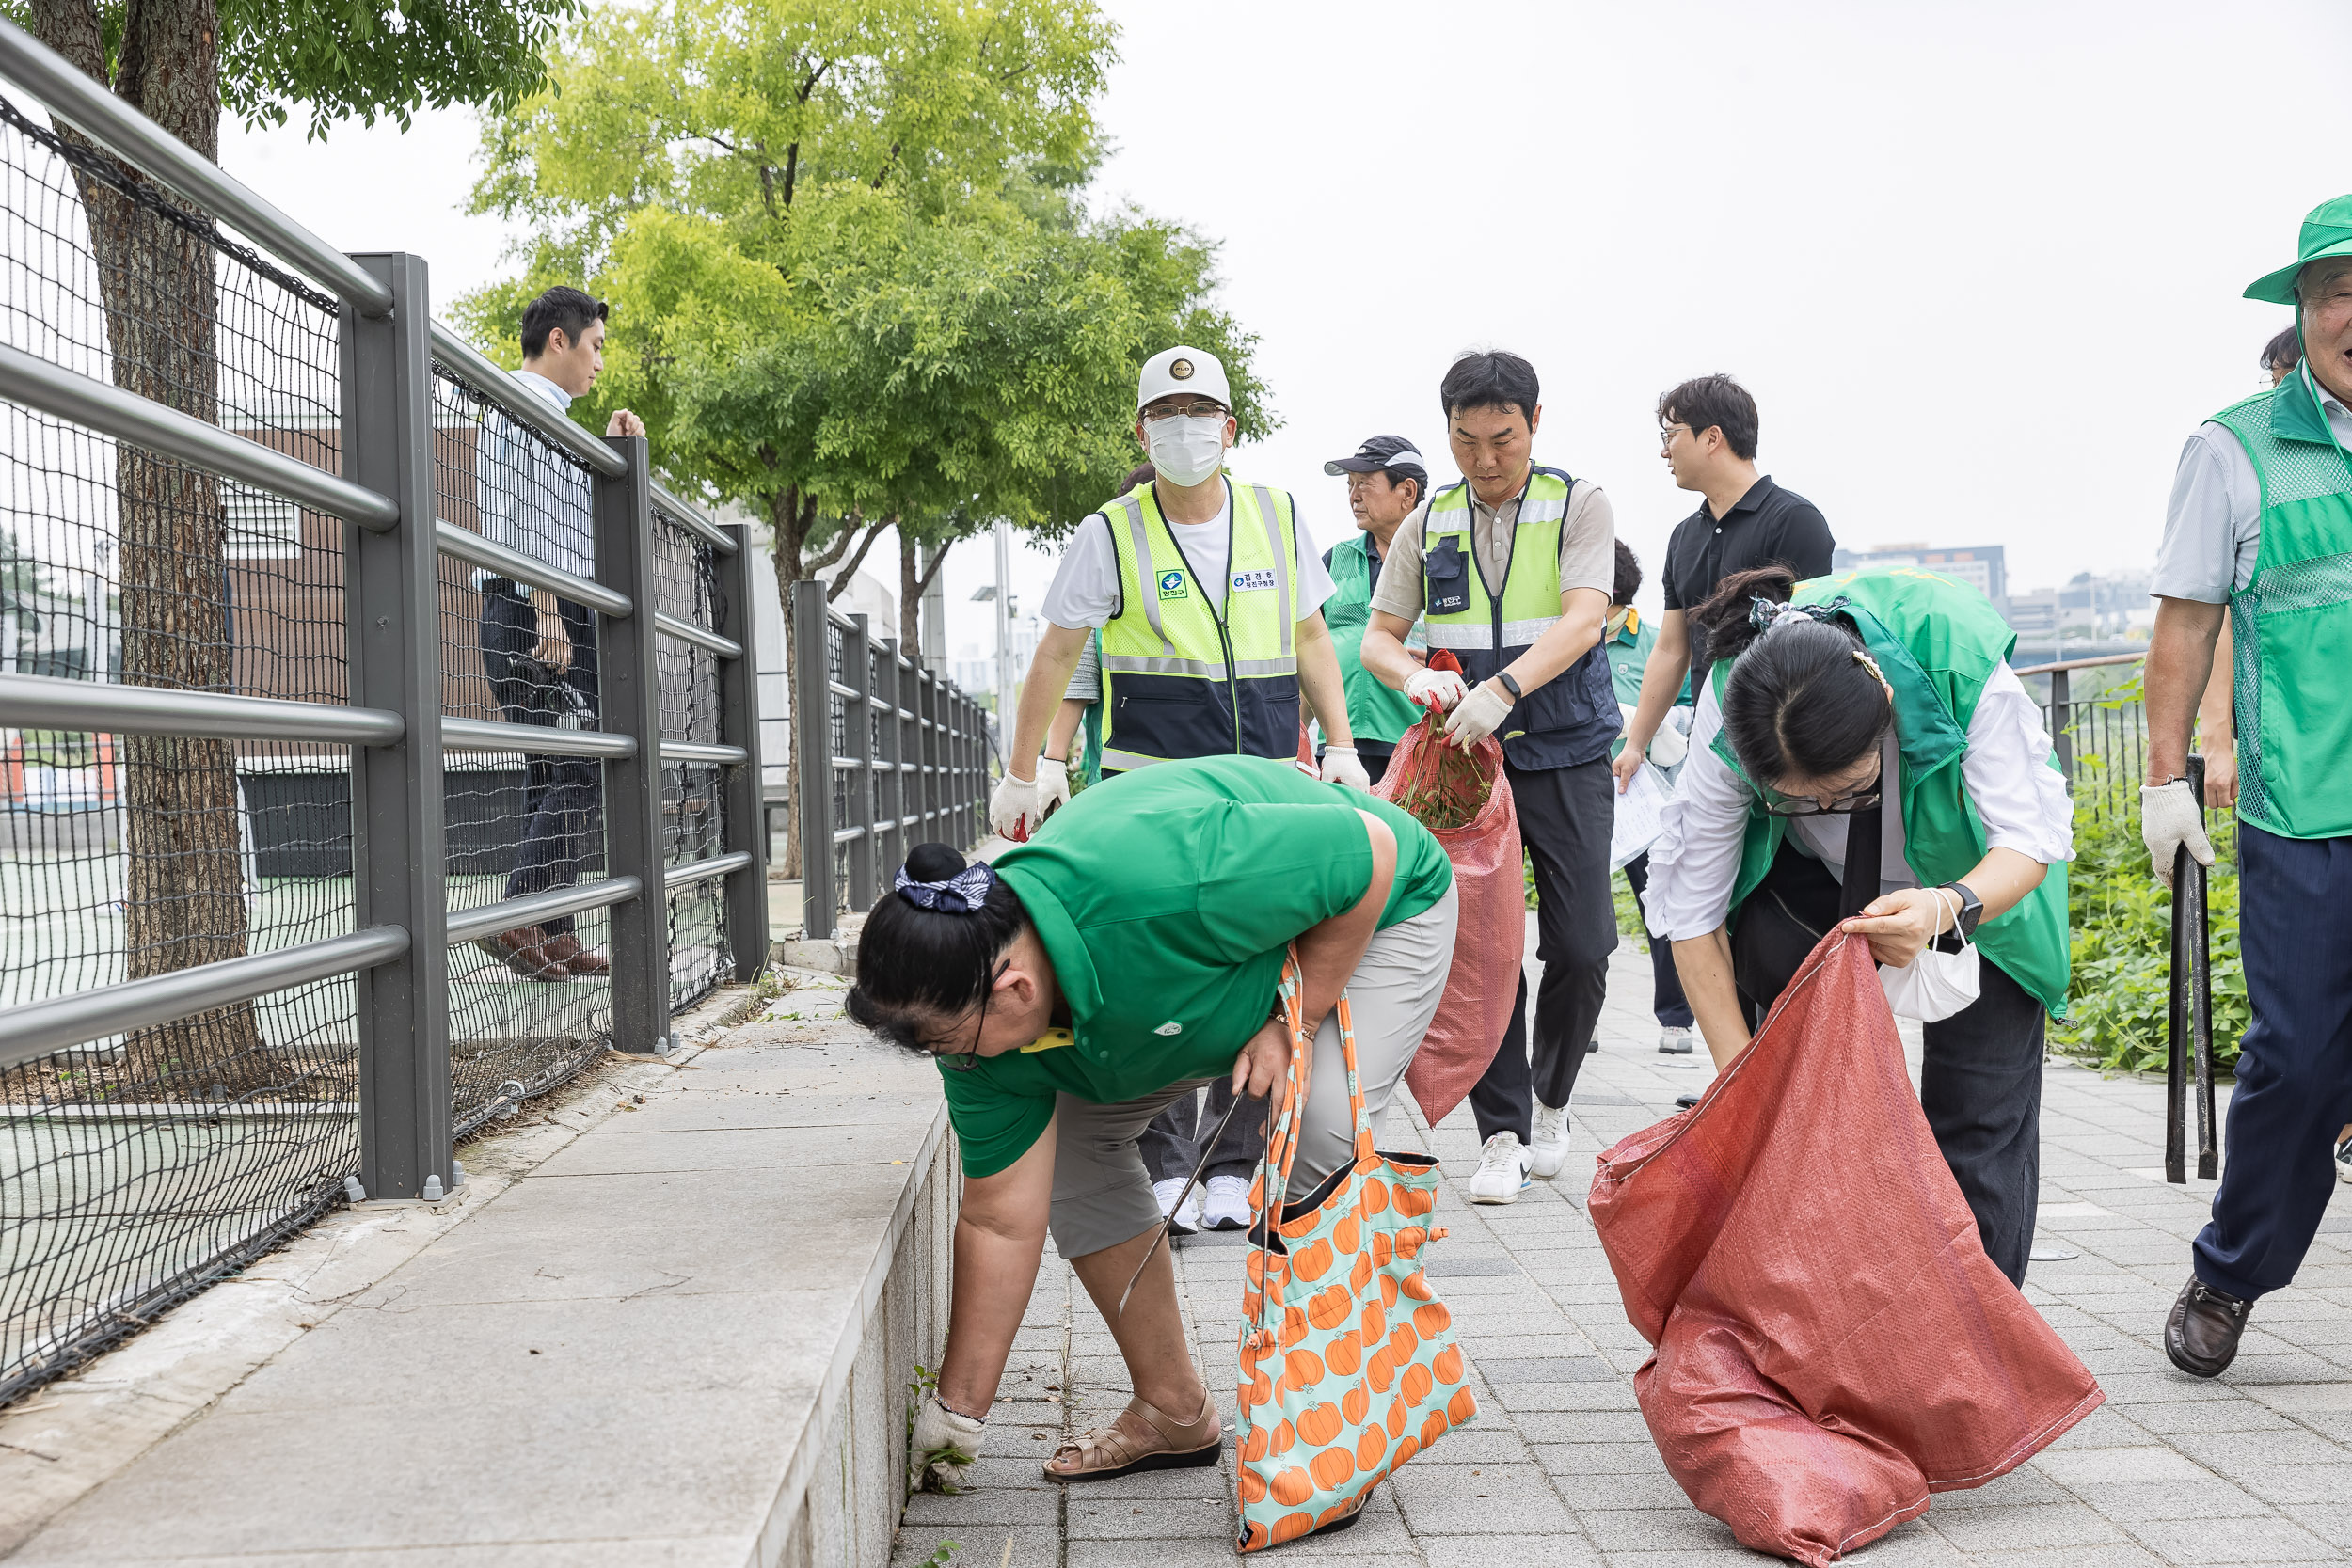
1245, 581
1172, 585
1447, 573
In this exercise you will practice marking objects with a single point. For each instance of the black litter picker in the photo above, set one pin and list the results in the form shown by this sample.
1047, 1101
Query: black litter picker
2188, 1044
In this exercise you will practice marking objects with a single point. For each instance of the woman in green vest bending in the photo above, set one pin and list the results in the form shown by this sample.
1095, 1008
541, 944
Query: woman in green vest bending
1130, 951
1828, 698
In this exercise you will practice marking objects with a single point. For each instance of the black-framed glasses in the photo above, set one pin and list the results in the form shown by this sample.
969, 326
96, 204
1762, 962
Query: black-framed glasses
1777, 804
966, 1060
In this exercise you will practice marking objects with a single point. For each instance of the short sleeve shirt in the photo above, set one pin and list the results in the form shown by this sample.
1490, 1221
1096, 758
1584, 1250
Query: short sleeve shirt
2213, 524
1084, 591
1588, 549
1767, 525
1166, 898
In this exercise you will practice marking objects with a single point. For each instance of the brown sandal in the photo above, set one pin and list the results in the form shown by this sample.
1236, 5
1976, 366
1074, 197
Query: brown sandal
1121, 1448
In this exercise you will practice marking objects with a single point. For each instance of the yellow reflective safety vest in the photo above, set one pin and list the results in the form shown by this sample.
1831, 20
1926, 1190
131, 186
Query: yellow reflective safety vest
1192, 668
1570, 718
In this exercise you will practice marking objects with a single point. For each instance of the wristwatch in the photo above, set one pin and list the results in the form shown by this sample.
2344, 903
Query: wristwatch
1964, 924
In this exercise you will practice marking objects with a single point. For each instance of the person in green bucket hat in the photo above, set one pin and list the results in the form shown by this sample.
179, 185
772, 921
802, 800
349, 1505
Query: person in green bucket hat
2260, 526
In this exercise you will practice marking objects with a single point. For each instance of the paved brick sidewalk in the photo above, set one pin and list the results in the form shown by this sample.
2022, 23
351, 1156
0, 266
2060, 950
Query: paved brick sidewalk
1558, 1469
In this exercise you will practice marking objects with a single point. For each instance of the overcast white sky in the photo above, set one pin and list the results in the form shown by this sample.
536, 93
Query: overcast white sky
1979, 262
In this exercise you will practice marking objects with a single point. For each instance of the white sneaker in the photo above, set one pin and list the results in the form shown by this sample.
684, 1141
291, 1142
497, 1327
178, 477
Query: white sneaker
1549, 1151
2344, 1160
1227, 1205
1674, 1043
1501, 1174
1187, 1218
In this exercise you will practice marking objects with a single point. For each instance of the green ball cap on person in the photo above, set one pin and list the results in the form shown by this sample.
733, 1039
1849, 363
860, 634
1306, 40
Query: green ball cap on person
1128, 955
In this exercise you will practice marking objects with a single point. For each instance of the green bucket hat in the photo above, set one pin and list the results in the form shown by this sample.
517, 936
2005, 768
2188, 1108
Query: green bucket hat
2327, 231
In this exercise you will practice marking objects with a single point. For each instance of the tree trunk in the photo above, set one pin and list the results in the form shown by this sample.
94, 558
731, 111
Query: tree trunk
184, 894
787, 531
910, 601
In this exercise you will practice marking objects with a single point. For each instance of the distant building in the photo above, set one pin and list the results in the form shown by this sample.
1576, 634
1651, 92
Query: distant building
1982, 567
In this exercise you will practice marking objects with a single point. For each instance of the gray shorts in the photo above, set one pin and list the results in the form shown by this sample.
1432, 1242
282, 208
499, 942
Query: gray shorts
1102, 1193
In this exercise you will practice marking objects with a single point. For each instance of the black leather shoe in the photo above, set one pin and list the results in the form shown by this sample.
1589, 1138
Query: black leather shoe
2200, 1334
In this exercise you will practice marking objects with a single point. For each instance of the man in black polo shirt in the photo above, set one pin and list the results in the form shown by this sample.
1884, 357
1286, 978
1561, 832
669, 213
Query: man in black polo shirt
1708, 429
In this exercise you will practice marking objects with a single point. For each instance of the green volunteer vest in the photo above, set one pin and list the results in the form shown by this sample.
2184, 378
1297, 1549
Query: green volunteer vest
1374, 711
1195, 669
2292, 622
1569, 719
1938, 643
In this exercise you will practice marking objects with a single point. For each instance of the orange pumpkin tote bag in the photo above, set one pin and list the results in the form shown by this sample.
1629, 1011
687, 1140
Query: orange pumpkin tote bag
1348, 1365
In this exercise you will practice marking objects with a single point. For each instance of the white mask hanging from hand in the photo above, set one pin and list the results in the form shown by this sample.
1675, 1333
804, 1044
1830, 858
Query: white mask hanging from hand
1187, 450
1935, 985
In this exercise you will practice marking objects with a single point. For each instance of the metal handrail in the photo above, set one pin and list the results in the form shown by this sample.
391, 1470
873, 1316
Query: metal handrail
702, 870
128, 416
2080, 664
465, 545
67, 94
485, 920
692, 751
496, 734
38, 1028
686, 631
525, 404
76, 707
691, 518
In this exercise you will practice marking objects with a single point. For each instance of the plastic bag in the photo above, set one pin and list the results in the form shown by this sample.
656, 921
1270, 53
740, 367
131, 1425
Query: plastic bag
1464, 799
1832, 1343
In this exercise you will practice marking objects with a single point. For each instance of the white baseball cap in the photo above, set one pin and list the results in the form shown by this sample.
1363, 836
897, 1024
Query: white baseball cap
1182, 370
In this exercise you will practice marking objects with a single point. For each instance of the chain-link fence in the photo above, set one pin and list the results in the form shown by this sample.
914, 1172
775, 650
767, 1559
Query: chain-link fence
370, 757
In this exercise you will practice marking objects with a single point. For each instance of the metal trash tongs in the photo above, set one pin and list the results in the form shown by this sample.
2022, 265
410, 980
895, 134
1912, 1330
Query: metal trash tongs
2190, 1019
1208, 1148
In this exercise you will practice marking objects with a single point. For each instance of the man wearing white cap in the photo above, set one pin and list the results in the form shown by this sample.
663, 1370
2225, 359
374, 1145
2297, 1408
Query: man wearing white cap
1212, 621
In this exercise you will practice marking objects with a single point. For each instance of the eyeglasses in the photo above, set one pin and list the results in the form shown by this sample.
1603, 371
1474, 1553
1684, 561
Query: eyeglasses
966, 1060
1777, 804
1666, 435
1158, 411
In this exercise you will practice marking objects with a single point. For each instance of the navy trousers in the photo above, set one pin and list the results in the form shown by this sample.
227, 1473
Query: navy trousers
2295, 1066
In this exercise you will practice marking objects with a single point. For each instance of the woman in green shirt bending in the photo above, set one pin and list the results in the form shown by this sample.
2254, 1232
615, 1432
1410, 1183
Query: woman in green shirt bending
1129, 953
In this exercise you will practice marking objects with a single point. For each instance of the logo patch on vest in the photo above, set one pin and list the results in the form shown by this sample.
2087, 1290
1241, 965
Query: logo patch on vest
1171, 1027
1172, 585
1261, 578
1447, 573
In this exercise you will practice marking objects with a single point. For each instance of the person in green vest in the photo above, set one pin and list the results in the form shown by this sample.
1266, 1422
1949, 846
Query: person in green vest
1828, 698
1629, 640
1386, 480
1131, 950
2259, 530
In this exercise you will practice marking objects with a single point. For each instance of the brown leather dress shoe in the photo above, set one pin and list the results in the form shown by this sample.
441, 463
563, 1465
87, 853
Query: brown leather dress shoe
524, 951
2200, 1334
563, 948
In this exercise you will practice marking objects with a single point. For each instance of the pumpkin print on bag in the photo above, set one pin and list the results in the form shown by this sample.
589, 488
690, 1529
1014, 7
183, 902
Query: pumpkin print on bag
1324, 1342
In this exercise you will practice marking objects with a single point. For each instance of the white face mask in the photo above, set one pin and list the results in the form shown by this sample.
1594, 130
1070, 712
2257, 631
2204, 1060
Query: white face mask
1935, 985
1187, 451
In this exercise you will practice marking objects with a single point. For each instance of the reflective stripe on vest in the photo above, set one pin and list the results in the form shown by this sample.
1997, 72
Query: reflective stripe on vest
1193, 669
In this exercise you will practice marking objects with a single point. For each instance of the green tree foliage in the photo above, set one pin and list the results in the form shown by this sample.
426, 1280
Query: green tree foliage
855, 284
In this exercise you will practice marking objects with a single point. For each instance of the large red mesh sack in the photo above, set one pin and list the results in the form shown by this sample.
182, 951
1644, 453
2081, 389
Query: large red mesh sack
1832, 1343
1463, 798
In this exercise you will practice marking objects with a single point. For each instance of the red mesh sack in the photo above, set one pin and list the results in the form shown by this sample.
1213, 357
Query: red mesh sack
1463, 798
1832, 1343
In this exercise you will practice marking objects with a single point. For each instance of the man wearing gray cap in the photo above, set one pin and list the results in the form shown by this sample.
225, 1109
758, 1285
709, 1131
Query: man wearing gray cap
1386, 480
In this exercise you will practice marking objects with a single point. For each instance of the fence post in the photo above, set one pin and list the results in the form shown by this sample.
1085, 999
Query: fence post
857, 717
812, 753
745, 818
628, 688
392, 639
2062, 727
890, 803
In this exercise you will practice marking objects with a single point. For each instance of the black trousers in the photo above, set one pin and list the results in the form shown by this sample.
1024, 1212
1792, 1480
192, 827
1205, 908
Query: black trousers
1564, 818
1980, 1082
1666, 1001
562, 796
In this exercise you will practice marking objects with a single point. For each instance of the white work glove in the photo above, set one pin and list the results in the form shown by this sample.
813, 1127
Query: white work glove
946, 1445
1341, 765
1477, 716
1052, 787
1012, 803
1437, 689
1668, 746
2170, 816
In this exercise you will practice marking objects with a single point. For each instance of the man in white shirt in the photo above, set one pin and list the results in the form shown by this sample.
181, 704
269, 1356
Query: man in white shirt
539, 651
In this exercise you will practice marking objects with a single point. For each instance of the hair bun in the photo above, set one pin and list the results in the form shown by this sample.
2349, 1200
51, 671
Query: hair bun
935, 862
